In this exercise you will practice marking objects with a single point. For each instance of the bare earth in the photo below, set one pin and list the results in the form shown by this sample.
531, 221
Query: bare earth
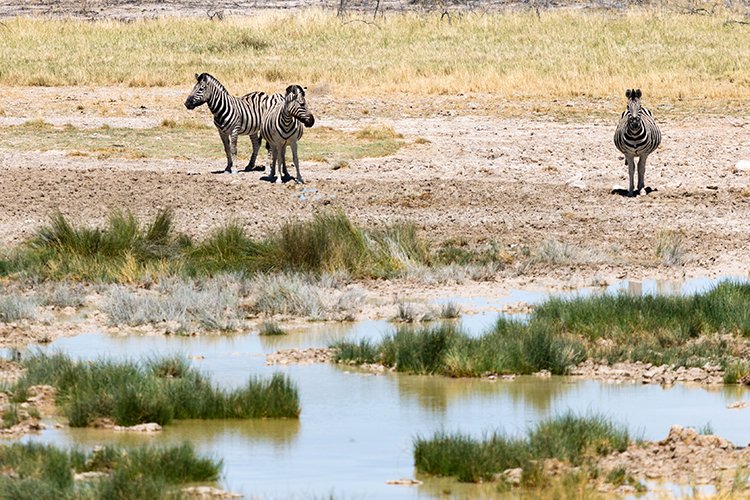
515, 182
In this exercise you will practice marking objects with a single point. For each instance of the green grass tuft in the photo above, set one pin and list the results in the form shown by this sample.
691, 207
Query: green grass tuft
36, 471
570, 438
158, 390
271, 329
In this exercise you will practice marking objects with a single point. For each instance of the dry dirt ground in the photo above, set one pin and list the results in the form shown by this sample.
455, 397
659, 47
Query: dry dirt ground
517, 182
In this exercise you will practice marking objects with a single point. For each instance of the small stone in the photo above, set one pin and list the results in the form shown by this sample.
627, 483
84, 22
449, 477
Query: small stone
738, 405
404, 482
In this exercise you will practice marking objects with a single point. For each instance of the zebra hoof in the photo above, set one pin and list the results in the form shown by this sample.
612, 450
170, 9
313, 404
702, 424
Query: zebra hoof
254, 169
286, 178
299, 180
269, 178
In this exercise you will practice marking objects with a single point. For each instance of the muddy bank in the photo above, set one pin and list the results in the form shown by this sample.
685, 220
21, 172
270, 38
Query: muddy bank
683, 457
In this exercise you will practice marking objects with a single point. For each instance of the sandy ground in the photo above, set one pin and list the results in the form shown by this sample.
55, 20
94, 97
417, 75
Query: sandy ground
515, 182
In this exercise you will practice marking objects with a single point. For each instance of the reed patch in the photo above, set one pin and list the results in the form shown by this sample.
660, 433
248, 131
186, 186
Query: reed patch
158, 390
32, 470
575, 440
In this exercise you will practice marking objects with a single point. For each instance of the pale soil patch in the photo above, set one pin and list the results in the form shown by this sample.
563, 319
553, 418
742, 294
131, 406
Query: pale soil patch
683, 457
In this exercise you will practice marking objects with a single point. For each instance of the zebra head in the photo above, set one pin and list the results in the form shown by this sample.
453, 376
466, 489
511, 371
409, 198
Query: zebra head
297, 106
634, 107
200, 93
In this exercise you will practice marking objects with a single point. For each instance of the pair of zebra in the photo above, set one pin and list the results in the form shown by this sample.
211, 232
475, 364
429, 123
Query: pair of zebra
278, 118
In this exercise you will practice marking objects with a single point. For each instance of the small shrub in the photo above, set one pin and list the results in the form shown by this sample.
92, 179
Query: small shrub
10, 417
271, 329
14, 307
450, 310
62, 294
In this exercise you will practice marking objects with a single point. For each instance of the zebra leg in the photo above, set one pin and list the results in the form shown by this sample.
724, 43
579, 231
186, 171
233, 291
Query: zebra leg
641, 172
227, 150
285, 177
256, 140
631, 172
233, 150
295, 159
272, 176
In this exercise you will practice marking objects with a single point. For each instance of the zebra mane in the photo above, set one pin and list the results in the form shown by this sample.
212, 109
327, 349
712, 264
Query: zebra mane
212, 79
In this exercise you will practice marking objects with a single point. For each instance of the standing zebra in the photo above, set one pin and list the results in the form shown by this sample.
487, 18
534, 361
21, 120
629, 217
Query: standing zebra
233, 116
283, 125
636, 135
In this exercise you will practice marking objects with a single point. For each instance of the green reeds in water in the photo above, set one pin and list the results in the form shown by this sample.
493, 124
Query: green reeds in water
677, 330
158, 391
510, 348
570, 438
36, 471
269, 328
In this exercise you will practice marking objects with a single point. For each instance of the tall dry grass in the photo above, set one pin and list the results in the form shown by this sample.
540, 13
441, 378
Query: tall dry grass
564, 52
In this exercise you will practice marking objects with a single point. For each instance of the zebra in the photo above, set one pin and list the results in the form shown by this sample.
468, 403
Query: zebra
283, 126
636, 135
233, 116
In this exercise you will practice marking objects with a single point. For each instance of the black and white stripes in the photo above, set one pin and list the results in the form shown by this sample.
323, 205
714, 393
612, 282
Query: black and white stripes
283, 125
233, 116
636, 135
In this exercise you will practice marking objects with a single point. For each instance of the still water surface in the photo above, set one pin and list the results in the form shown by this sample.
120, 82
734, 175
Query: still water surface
356, 430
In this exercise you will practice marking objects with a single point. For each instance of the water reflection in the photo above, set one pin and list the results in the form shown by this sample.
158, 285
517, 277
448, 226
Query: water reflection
280, 433
437, 394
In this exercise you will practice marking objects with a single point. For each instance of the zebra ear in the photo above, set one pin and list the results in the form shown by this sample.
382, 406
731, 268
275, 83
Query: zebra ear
628, 92
197, 76
638, 93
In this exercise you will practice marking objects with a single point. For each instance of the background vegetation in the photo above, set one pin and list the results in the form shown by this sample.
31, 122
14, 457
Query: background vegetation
562, 52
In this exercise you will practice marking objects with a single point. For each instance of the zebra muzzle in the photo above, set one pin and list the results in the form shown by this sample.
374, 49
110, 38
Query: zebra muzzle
309, 122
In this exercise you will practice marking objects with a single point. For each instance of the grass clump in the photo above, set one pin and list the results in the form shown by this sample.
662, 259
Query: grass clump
33, 471
445, 350
124, 251
184, 306
269, 328
157, 391
469, 459
450, 310
569, 438
14, 307
654, 329
688, 331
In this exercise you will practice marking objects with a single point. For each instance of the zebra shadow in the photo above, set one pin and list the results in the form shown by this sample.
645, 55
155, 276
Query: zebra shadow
624, 192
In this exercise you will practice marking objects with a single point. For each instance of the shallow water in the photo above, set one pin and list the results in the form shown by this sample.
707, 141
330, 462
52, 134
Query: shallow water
356, 429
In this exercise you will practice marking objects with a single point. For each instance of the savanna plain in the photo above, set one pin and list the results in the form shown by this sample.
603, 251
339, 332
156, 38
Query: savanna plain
462, 151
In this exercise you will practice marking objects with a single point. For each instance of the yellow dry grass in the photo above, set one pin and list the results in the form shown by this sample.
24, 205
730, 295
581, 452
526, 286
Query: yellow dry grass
563, 53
